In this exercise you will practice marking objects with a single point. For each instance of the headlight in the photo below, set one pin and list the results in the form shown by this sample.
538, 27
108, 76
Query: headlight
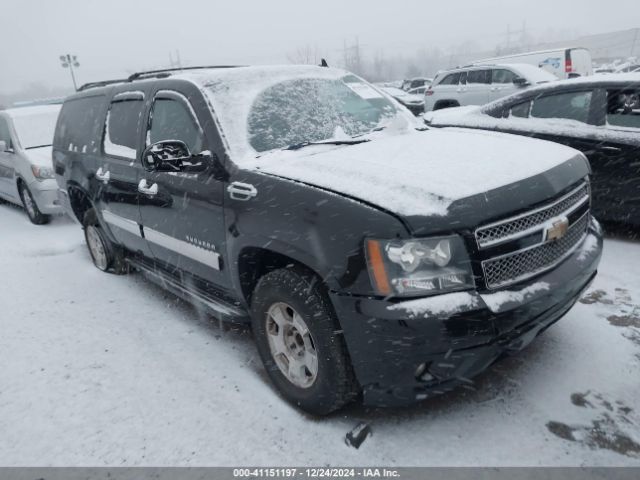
419, 266
42, 173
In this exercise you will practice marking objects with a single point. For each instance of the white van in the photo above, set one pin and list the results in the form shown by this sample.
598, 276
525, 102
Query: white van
563, 62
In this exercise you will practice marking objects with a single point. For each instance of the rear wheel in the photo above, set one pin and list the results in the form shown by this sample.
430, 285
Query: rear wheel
33, 212
105, 255
299, 341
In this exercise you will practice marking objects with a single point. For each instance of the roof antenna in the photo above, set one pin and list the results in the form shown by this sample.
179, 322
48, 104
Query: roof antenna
324, 63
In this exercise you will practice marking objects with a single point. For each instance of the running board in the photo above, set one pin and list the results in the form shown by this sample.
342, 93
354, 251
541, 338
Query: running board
222, 310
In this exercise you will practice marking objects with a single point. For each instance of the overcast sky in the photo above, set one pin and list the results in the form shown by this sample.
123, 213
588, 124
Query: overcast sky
112, 38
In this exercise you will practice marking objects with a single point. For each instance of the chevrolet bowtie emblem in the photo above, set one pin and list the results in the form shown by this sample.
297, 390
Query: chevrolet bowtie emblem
557, 229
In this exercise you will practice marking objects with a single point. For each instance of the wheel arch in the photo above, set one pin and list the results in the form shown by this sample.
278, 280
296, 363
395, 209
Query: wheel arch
253, 262
445, 103
80, 201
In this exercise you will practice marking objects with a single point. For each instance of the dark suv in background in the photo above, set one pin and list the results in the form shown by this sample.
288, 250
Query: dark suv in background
371, 255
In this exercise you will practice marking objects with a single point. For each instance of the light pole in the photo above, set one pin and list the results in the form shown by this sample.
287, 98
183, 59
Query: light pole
70, 61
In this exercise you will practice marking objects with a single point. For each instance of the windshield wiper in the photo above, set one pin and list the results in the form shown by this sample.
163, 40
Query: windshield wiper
354, 141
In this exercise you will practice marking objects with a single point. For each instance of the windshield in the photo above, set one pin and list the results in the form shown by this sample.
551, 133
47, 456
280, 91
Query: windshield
274, 108
36, 128
314, 110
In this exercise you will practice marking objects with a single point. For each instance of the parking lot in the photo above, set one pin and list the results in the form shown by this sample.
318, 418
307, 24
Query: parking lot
101, 369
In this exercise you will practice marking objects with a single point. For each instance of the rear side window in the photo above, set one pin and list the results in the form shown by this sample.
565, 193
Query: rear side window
451, 79
572, 106
479, 76
502, 76
122, 128
521, 110
80, 125
623, 108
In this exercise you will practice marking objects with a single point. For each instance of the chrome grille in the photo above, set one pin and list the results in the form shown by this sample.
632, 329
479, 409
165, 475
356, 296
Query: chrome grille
520, 265
524, 224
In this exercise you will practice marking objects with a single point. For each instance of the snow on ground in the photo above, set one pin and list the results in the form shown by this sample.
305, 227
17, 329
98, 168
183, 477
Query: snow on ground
99, 369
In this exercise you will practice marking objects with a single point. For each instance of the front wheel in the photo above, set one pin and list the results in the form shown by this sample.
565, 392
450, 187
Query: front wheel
30, 205
299, 342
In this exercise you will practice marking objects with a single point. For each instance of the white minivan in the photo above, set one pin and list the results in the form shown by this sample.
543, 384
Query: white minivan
563, 62
480, 84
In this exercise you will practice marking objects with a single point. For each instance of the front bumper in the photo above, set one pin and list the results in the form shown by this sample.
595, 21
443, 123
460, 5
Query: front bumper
388, 341
45, 194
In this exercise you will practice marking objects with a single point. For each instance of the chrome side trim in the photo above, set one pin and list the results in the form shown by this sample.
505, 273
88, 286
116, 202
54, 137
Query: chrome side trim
207, 257
121, 222
528, 213
199, 254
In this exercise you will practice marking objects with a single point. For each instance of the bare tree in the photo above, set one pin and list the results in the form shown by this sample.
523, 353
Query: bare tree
307, 55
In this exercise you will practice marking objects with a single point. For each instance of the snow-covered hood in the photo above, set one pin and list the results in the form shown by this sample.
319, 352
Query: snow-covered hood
418, 173
452, 114
40, 156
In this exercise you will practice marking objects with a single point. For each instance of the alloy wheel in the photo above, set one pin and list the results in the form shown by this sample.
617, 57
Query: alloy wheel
291, 345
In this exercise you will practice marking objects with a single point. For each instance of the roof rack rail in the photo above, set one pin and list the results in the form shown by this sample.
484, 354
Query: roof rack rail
166, 72
102, 83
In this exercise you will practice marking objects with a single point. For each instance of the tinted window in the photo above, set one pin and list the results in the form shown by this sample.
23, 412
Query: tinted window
572, 106
451, 79
80, 124
623, 108
479, 76
121, 131
502, 76
521, 110
5, 136
173, 120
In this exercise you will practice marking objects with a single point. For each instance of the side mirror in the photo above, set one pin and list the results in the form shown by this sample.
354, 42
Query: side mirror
173, 156
521, 82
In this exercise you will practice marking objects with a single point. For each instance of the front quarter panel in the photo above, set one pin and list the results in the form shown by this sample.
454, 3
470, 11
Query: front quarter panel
320, 229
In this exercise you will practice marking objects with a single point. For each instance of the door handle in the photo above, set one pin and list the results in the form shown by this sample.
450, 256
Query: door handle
242, 191
144, 188
103, 176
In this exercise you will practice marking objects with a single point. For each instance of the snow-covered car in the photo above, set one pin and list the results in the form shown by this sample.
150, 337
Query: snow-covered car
599, 115
480, 84
413, 83
414, 102
372, 256
26, 171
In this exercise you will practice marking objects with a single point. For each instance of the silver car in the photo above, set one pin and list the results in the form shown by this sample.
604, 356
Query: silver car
26, 171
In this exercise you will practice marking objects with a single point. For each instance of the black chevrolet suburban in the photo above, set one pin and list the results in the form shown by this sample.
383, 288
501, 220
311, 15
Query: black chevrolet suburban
373, 257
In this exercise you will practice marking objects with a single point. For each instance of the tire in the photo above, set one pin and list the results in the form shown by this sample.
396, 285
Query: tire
30, 206
106, 256
291, 305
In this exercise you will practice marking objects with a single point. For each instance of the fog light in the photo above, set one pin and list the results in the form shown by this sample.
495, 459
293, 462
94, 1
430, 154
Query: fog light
422, 374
